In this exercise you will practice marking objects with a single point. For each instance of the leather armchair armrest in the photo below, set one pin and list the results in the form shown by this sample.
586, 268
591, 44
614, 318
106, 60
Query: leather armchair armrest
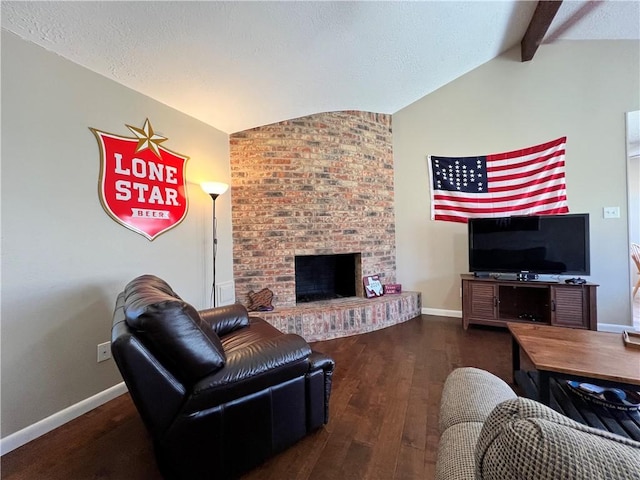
226, 319
319, 360
320, 377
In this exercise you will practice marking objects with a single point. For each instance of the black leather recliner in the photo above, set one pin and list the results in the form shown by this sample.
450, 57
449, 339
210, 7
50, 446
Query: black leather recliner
219, 391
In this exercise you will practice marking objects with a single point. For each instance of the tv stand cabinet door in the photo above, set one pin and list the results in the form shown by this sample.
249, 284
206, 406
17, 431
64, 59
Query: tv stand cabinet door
573, 306
479, 303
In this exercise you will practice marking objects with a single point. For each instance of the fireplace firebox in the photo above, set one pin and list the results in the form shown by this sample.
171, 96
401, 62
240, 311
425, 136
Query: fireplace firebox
324, 277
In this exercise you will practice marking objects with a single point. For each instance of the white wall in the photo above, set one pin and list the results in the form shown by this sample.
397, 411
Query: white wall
63, 259
578, 89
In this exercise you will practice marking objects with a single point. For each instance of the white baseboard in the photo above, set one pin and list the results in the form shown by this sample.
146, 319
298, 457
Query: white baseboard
442, 313
602, 327
24, 436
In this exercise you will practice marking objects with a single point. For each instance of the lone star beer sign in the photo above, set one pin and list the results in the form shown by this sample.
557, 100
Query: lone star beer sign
142, 184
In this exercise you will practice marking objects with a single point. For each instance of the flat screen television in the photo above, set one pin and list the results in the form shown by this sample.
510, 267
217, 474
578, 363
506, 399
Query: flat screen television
544, 244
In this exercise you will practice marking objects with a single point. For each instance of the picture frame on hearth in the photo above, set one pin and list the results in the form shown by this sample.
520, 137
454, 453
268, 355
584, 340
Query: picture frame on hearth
372, 286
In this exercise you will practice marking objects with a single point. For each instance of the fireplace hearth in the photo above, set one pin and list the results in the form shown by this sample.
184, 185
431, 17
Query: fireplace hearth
325, 277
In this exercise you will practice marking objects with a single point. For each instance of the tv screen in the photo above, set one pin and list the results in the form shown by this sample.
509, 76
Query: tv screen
545, 244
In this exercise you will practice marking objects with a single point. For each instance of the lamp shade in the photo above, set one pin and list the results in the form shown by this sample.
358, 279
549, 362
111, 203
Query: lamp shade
214, 188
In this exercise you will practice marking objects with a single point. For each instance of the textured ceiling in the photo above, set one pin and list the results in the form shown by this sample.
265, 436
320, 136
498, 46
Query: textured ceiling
237, 65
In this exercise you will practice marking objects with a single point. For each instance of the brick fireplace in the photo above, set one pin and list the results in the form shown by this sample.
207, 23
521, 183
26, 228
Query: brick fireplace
320, 185
316, 185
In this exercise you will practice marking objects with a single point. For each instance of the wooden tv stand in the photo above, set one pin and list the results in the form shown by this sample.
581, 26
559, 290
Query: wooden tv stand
495, 301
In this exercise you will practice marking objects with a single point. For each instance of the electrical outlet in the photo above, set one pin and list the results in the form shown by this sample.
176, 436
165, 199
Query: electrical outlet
611, 212
104, 351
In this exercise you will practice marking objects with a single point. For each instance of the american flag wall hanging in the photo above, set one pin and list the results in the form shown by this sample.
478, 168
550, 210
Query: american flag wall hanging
530, 181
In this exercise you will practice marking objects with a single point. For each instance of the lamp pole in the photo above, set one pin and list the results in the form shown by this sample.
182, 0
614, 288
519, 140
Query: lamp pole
215, 248
214, 189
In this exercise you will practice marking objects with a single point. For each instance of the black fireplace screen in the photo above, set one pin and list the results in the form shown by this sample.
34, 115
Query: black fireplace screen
323, 277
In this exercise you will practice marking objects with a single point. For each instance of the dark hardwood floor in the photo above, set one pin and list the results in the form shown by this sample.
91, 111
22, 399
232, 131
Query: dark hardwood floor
383, 415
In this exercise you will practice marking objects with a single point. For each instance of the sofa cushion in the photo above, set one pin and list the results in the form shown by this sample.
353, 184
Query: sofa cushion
172, 329
456, 460
523, 439
251, 368
469, 395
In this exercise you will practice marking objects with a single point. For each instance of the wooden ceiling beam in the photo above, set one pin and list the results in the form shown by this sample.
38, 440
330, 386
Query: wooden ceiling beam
542, 17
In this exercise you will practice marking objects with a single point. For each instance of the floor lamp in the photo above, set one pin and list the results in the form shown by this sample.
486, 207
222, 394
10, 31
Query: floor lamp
214, 189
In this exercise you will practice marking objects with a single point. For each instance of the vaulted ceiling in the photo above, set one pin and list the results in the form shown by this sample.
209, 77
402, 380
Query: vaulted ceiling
237, 65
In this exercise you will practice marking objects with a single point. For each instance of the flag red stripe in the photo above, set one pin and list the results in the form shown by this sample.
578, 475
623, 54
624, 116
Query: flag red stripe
535, 181
449, 218
511, 208
525, 163
554, 211
526, 151
530, 173
452, 218
488, 199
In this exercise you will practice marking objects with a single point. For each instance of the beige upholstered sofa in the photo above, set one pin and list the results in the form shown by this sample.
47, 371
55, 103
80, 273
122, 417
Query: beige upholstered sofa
487, 432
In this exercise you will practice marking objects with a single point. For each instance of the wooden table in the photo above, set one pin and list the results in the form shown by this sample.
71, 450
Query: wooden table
582, 355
